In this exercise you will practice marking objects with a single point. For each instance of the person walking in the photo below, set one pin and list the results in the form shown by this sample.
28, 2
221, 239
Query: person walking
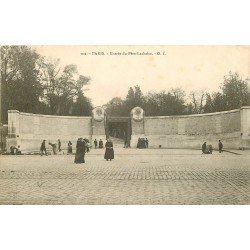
220, 146
69, 147
95, 143
59, 145
80, 151
87, 145
146, 142
109, 152
43, 148
203, 148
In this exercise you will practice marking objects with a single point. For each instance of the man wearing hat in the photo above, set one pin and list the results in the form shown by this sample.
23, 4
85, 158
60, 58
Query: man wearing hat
43, 148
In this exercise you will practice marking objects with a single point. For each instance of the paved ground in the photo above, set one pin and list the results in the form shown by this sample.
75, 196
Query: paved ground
146, 176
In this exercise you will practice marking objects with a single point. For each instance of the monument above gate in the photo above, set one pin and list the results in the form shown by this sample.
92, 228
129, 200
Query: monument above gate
98, 114
137, 114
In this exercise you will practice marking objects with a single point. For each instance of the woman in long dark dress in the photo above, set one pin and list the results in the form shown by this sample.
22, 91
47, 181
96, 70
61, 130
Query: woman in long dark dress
109, 152
69, 147
80, 151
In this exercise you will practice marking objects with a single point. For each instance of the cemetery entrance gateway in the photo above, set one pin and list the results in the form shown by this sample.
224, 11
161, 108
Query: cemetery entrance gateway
119, 128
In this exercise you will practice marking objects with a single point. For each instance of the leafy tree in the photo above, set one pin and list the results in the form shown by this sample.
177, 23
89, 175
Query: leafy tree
116, 107
20, 87
152, 104
63, 88
234, 94
234, 91
214, 103
32, 83
134, 98
82, 106
164, 103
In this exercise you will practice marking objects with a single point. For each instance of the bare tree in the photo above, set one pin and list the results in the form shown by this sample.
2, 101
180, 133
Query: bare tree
198, 100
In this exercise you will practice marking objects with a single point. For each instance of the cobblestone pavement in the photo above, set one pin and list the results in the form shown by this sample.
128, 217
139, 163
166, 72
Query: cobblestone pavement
134, 177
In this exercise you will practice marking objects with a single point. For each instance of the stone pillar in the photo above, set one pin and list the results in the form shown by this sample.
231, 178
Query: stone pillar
137, 123
98, 124
13, 138
245, 126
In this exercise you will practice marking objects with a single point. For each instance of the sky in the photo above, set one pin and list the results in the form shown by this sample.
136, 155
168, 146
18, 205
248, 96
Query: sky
191, 68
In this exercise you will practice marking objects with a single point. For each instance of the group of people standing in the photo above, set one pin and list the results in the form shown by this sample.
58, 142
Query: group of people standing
82, 147
208, 149
56, 147
15, 150
142, 143
98, 145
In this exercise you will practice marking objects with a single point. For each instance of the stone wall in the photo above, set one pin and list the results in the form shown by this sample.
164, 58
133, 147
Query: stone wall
28, 130
190, 131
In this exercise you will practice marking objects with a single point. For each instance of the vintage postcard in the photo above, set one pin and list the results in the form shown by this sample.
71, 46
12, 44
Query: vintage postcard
127, 125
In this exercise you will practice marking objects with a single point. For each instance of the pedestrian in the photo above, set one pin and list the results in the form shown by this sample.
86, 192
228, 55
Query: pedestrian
54, 147
139, 143
59, 145
146, 142
109, 152
43, 148
220, 146
125, 142
80, 151
209, 149
95, 143
87, 143
69, 147
18, 150
203, 148
100, 143
12, 150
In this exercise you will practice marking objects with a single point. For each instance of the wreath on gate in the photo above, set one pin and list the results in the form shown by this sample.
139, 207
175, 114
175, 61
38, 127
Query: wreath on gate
137, 114
98, 114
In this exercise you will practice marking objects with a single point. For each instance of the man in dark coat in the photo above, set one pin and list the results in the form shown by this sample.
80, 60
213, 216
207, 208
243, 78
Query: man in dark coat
43, 148
139, 143
146, 142
100, 143
95, 143
109, 152
80, 151
220, 146
59, 145
203, 148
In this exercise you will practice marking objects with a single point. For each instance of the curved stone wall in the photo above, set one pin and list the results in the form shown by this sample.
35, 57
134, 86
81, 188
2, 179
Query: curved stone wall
192, 130
189, 131
28, 130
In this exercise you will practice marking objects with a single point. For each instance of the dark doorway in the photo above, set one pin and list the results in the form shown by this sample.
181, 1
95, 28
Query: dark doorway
119, 128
